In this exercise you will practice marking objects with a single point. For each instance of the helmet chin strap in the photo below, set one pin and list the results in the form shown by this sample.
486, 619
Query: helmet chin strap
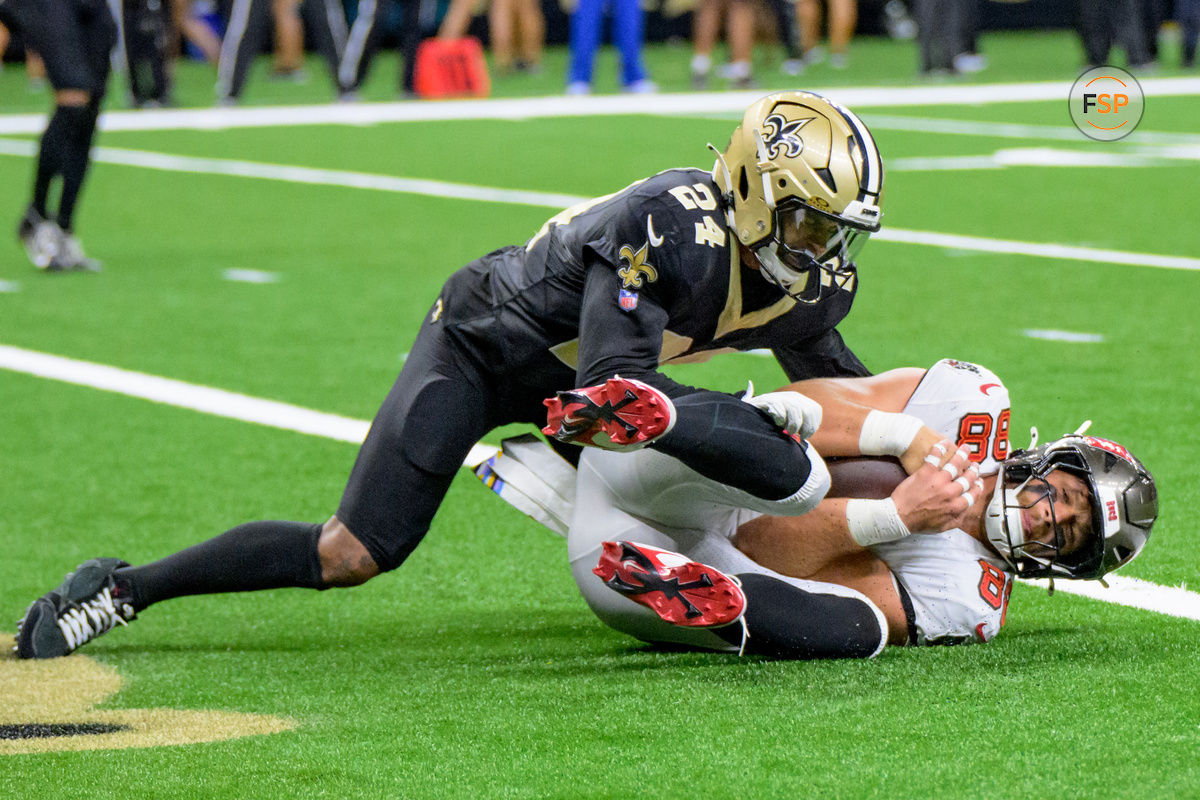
724, 166
727, 196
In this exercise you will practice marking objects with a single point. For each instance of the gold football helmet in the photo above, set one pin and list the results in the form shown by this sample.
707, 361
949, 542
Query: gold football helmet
802, 179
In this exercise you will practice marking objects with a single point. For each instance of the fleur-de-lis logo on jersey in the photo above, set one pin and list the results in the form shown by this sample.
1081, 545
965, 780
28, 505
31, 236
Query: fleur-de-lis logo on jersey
635, 267
782, 137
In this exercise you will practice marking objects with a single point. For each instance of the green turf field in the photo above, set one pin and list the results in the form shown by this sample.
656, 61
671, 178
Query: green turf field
476, 670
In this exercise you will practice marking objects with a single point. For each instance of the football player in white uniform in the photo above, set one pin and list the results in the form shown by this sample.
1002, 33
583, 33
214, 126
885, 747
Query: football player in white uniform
653, 545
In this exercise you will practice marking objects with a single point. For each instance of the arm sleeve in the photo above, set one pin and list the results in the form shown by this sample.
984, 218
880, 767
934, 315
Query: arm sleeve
823, 356
715, 433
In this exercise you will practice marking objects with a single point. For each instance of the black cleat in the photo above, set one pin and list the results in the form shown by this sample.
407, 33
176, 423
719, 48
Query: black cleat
80, 609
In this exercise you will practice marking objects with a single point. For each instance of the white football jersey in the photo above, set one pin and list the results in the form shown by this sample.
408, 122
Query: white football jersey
959, 589
968, 404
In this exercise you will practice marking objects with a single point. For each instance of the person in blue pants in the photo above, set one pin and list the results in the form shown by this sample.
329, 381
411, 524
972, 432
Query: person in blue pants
626, 34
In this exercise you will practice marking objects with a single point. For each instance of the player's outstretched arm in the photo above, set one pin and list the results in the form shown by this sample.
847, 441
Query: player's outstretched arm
863, 417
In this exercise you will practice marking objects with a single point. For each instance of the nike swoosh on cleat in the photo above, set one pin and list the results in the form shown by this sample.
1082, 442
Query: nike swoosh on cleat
655, 241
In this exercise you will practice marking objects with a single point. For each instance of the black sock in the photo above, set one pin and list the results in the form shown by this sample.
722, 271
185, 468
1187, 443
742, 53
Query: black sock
248, 558
56, 143
786, 621
75, 162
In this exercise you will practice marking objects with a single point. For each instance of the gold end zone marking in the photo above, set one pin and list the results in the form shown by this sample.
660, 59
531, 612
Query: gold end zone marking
66, 690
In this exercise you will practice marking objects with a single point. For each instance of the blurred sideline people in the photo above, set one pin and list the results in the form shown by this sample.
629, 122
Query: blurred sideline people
75, 39
287, 60
843, 16
247, 32
739, 16
940, 34
185, 25
418, 21
969, 59
1105, 22
144, 29
627, 29
1188, 13
516, 21
1151, 14
35, 70
947, 36
151, 34
516, 31
787, 24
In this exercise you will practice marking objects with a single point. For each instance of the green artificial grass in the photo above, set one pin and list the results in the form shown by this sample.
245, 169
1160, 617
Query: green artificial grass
476, 670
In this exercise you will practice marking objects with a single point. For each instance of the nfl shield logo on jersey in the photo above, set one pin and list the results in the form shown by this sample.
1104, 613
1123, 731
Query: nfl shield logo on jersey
628, 300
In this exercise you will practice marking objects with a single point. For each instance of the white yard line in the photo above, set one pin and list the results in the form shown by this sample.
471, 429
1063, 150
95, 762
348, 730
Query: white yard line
1010, 130
1037, 249
309, 175
560, 106
1064, 336
1177, 602
1047, 157
250, 276
184, 395
432, 188
204, 399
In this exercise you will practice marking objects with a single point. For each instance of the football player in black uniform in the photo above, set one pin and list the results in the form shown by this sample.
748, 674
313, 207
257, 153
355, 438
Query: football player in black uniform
74, 38
755, 254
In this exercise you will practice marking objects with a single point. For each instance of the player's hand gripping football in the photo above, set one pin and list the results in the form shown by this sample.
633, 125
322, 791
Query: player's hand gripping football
914, 457
937, 496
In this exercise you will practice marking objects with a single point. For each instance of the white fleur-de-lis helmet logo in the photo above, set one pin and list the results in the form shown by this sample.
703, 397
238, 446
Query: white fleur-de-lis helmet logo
781, 137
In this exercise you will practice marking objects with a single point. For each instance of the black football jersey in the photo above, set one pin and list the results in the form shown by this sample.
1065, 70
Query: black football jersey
625, 282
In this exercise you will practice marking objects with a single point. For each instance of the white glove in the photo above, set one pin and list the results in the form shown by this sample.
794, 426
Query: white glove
792, 411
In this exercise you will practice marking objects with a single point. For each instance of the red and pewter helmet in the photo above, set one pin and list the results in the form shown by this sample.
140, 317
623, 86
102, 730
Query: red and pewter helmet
1124, 503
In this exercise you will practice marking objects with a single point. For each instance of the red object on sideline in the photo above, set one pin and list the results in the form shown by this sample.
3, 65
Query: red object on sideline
451, 68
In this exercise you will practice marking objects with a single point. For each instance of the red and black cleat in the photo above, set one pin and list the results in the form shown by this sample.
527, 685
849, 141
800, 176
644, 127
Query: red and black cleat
681, 591
622, 414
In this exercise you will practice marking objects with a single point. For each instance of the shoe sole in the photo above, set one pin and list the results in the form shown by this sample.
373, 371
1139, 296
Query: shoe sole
640, 414
38, 635
689, 594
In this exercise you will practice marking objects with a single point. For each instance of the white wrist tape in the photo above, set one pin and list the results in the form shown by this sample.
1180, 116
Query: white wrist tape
887, 434
874, 521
